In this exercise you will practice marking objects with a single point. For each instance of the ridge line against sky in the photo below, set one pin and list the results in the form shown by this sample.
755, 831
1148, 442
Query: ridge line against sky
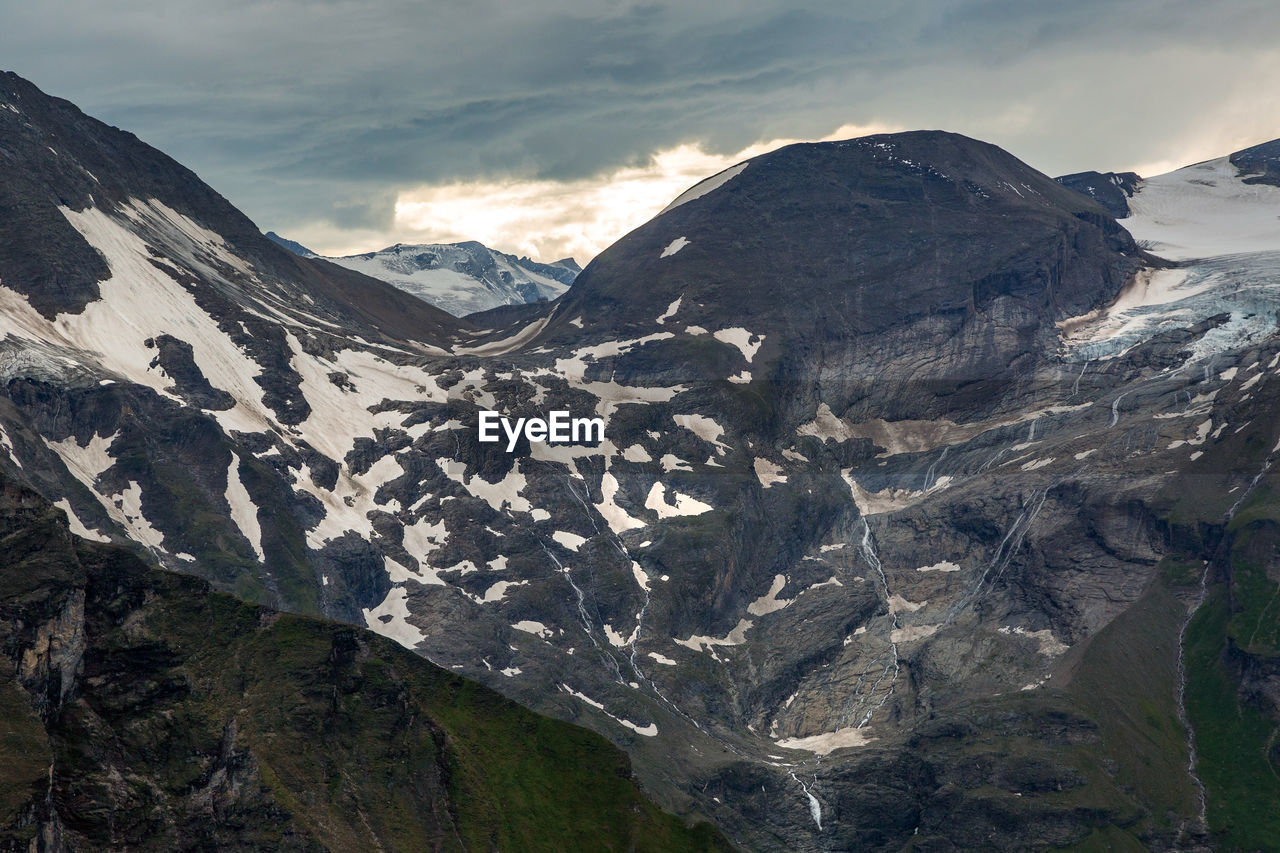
550, 128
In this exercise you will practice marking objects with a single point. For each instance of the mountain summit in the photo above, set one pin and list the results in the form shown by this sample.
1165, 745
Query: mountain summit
883, 247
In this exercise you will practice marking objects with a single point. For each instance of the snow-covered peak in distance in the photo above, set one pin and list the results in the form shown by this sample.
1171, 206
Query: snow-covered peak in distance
1204, 210
463, 278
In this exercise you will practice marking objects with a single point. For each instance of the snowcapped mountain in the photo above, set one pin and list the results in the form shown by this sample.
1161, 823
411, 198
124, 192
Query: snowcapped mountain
463, 278
178, 384
932, 508
1218, 222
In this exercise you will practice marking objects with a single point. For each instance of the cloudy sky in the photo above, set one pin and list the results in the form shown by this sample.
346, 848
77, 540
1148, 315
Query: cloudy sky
551, 127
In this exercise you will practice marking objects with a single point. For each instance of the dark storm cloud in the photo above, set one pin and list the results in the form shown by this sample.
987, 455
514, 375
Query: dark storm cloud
302, 109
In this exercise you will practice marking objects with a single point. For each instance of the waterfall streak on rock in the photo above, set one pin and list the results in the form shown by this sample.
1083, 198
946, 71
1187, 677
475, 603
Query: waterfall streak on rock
867, 547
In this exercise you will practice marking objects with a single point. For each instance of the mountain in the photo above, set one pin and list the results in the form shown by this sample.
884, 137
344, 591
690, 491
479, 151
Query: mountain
141, 710
1109, 189
463, 278
935, 507
293, 246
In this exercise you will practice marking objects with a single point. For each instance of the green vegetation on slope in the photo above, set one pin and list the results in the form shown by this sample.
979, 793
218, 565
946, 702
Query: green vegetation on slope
1127, 679
1233, 739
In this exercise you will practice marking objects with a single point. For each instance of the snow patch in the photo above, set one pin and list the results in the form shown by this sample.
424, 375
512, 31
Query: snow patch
244, 512
704, 428
825, 425
769, 602
126, 508
499, 495
912, 632
735, 637
572, 541
77, 527
650, 730
898, 604
742, 339
636, 453
88, 462
530, 626
828, 742
616, 639
1050, 646
684, 505
390, 619
768, 472
670, 312
498, 591
674, 246
671, 462
507, 344
615, 516
705, 186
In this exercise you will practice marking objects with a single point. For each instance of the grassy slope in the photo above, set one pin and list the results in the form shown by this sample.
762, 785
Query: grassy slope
1235, 736
1127, 681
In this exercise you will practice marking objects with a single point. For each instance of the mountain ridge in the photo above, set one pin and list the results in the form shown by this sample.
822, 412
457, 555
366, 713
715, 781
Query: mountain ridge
464, 278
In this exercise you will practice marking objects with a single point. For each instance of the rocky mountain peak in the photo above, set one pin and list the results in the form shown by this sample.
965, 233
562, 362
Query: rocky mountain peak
464, 278
1110, 189
1259, 164
893, 243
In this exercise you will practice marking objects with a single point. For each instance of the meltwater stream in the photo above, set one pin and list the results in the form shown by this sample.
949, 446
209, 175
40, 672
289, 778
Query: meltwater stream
868, 550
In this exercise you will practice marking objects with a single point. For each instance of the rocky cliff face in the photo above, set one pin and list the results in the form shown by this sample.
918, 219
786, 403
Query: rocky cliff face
1109, 189
917, 465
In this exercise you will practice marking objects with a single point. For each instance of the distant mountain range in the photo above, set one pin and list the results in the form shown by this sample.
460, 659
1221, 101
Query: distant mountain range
461, 278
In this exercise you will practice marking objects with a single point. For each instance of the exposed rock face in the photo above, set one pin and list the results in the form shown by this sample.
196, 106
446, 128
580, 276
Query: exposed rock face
1109, 189
914, 464
1259, 164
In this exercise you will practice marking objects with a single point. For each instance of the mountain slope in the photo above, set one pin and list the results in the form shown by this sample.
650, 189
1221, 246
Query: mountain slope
463, 278
143, 710
63, 159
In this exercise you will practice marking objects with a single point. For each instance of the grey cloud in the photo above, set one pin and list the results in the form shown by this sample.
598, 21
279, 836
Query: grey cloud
292, 108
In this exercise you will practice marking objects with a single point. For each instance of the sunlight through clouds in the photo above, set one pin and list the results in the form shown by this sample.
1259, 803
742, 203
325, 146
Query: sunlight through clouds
549, 220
